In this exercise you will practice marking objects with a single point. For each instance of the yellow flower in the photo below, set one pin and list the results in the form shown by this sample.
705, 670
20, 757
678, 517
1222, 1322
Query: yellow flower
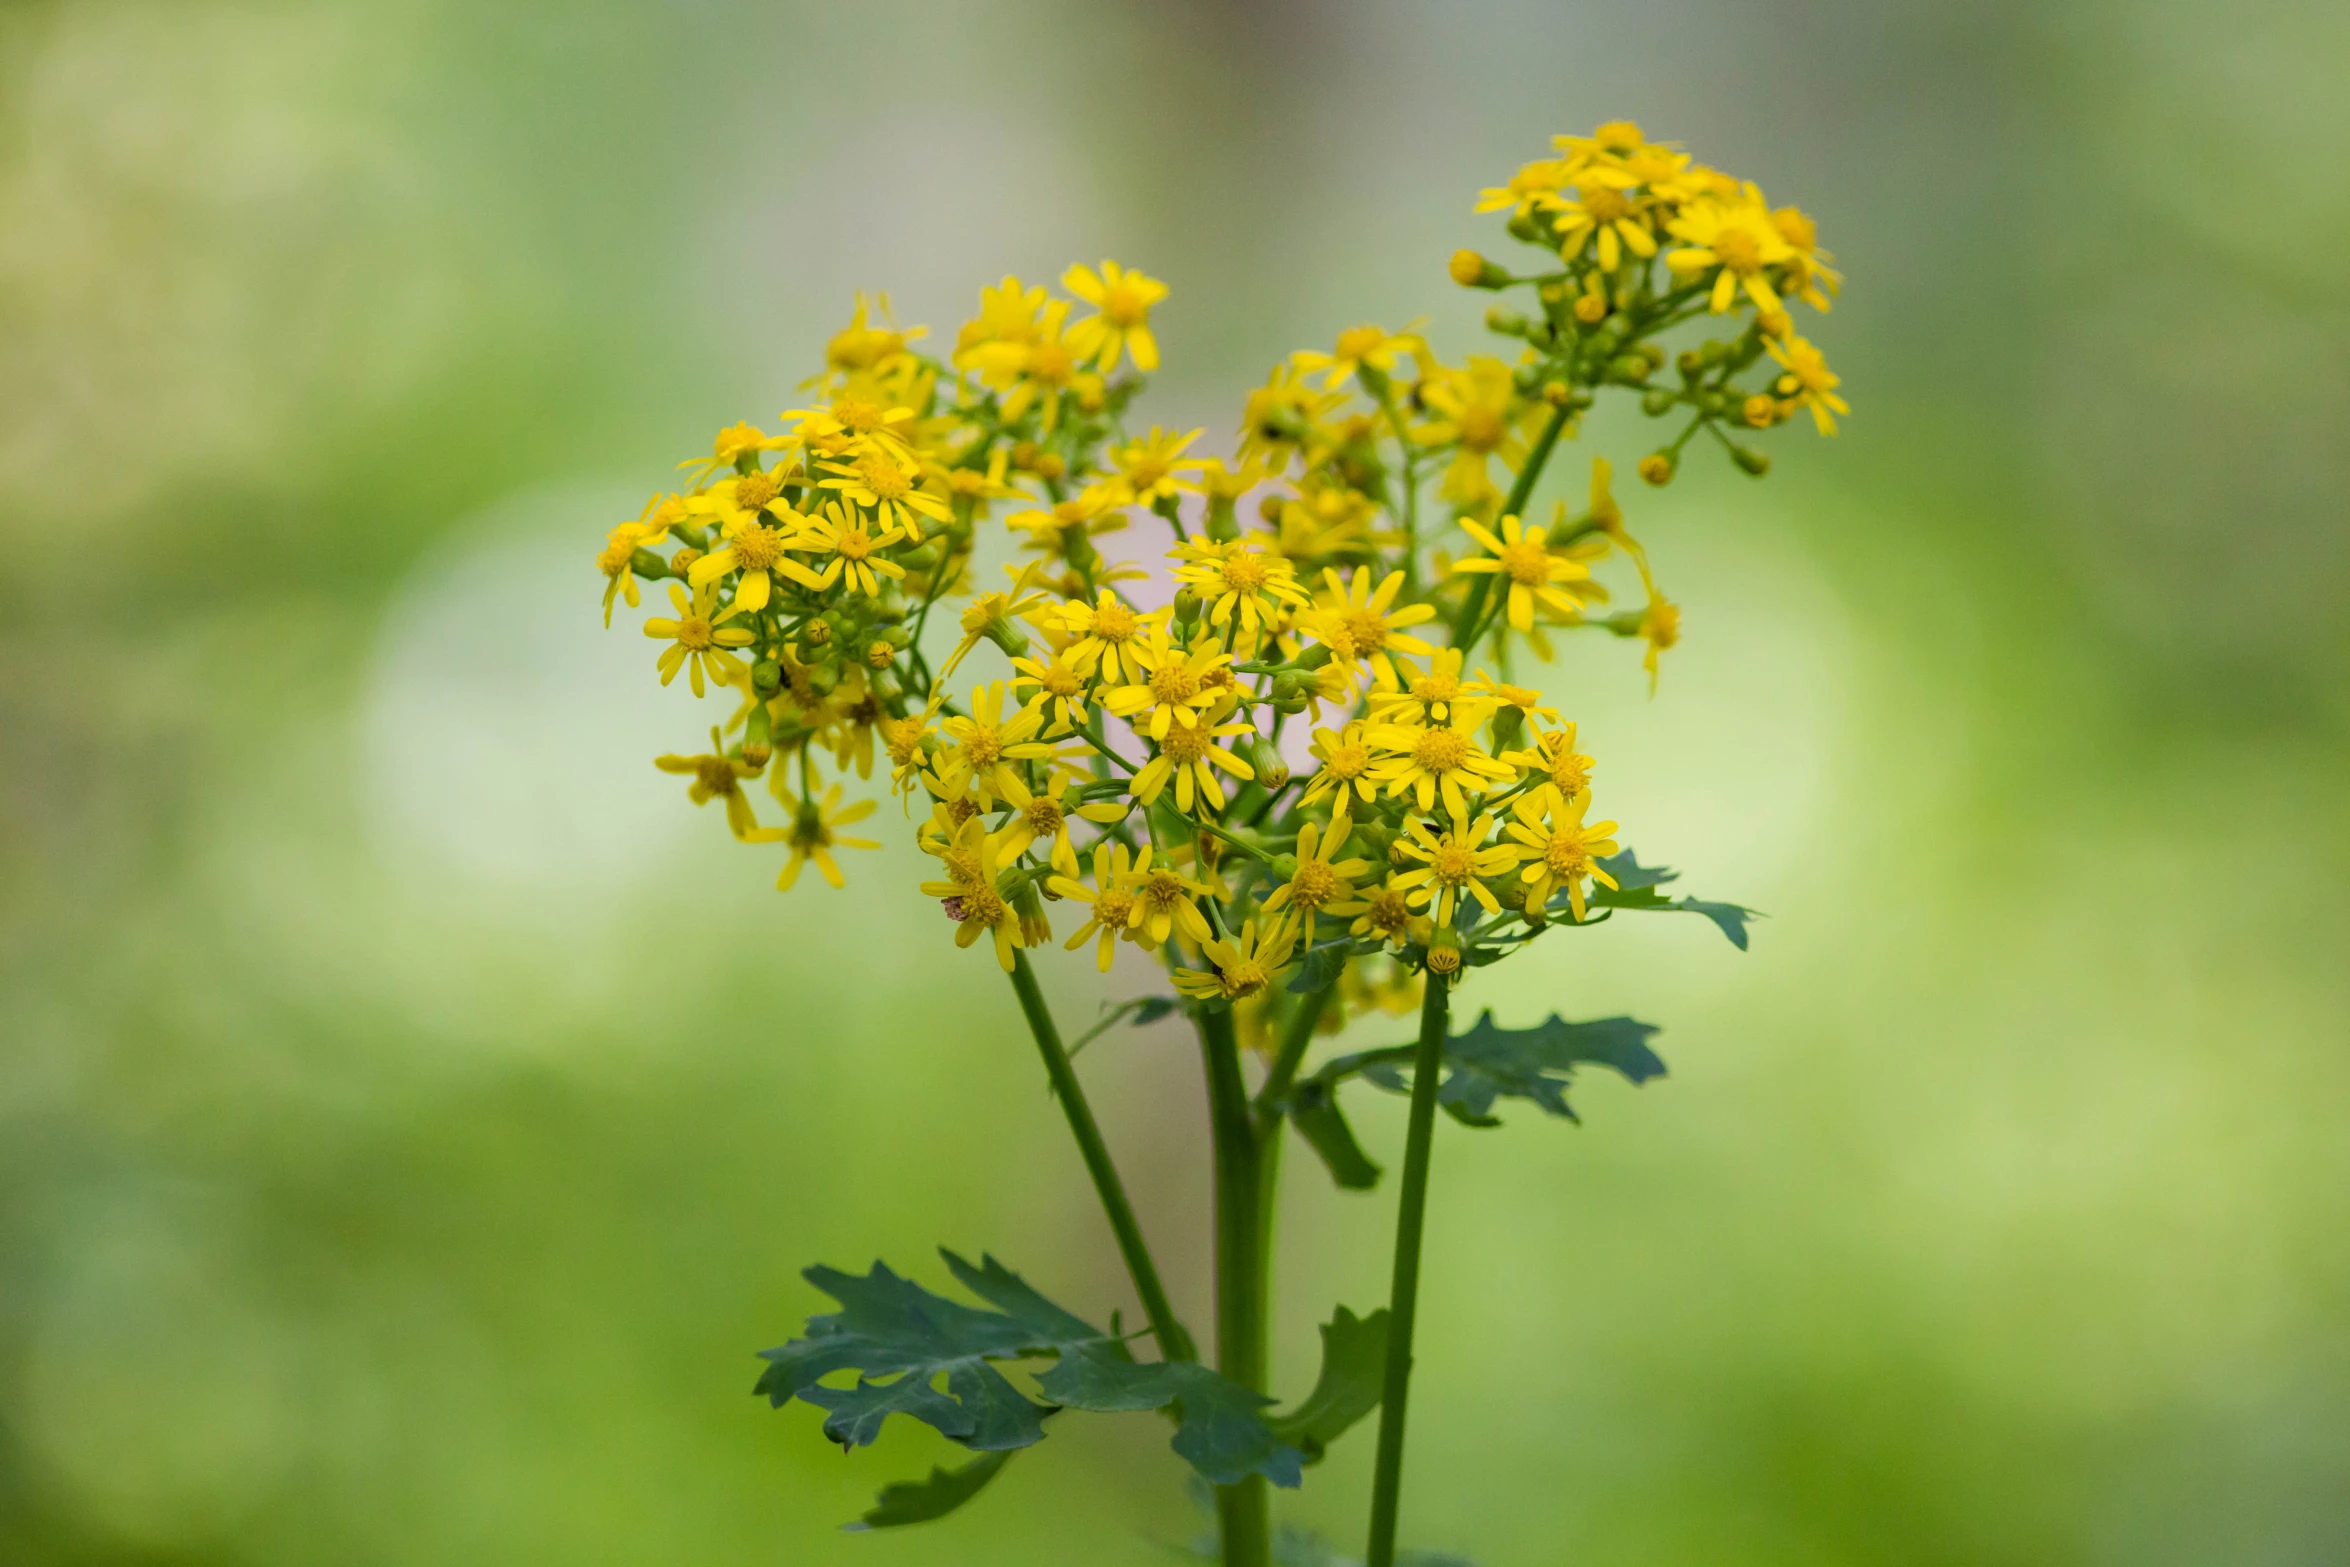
1809, 381
1171, 683
1243, 967
981, 910
753, 546
990, 615
717, 776
1280, 417
1479, 413
1321, 883
1533, 572
735, 442
1807, 269
960, 840
1038, 818
1151, 468
811, 834
1499, 694
1354, 620
1534, 186
1388, 916
1346, 765
1244, 582
860, 348
1559, 852
906, 739
616, 560
1105, 633
1603, 205
1738, 242
698, 642
852, 424
1407, 694
1117, 908
854, 548
982, 745
881, 484
1189, 756
1553, 756
1431, 759
1660, 628
1068, 528
1359, 347
1163, 905
1451, 865
1124, 299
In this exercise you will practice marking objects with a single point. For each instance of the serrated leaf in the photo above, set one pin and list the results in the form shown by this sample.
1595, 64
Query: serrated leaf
1354, 1365
1635, 889
1631, 875
1318, 968
902, 1341
921, 1501
1488, 1063
1314, 1107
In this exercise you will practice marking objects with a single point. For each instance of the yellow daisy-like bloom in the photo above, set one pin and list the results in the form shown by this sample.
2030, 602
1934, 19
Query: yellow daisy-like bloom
1559, 850
1479, 413
959, 838
1808, 272
982, 910
717, 776
1124, 298
1428, 760
1808, 381
893, 490
1188, 757
616, 560
1603, 205
1362, 347
1105, 635
735, 442
1151, 468
1281, 416
1244, 582
906, 740
1499, 694
981, 745
1660, 628
1322, 883
1451, 865
861, 348
1738, 243
1534, 186
1388, 915
1171, 684
1357, 622
1038, 818
1061, 690
1346, 766
1164, 906
743, 499
811, 834
1068, 528
1535, 574
855, 550
1244, 967
754, 546
1554, 758
1412, 695
993, 614
698, 642
1117, 908
855, 425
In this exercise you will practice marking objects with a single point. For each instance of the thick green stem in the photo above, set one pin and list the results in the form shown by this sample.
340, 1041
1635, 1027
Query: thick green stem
1404, 1295
1243, 1512
1174, 1342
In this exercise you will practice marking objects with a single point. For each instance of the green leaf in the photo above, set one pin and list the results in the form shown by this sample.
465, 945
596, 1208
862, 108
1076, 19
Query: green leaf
1313, 1105
1320, 967
903, 1342
921, 1501
1636, 886
1631, 875
1354, 1363
1488, 1063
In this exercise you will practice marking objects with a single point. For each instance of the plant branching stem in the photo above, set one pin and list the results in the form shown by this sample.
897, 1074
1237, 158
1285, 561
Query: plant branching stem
1514, 506
1404, 1295
1243, 1512
1174, 1342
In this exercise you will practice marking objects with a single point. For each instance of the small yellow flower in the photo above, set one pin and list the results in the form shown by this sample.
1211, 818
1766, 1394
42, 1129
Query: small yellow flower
1117, 908
1188, 757
893, 490
811, 834
1554, 758
1559, 850
1066, 530
1388, 915
1244, 582
1358, 623
1173, 684
1360, 347
1124, 299
698, 641
1535, 573
983, 910
1038, 818
1151, 468
1062, 690
991, 615
1452, 864
1660, 628
1479, 414
1104, 636
717, 776
1164, 905
1604, 205
1414, 695
855, 550
1346, 766
1737, 242
982, 746
1428, 760
617, 558
1809, 381
733, 443
1534, 186
1242, 968
1322, 883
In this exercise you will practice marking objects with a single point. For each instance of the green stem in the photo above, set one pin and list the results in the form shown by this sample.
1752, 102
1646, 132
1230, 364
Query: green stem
1404, 1295
1514, 506
1243, 1512
1174, 1342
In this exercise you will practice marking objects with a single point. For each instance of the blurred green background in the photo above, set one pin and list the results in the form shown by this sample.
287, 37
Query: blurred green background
413, 1115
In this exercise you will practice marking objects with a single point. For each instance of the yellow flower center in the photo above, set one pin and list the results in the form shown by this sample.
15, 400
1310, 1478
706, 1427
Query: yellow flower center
1365, 631
861, 348
884, 478
1050, 363
1481, 429
1348, 761
1044, 817
1124, 306
1454, 864
1114, 907
1565, 857
1661, 626
716, 775
1569, 775
1146, 470
1444, 960
854, 413
753, 491
1527, 563
1432, 689
1163, 891
1173, 683
1389, 910
1441, 750
694, 633
982, 906
735, 440
983, 747
1314, 885
1060, 680
962, 811
1243, 979
855, 543
809, 832
1186, 743
1357, 341
757, 547
1740, 250
1245, 572
1605, 205
1113, 622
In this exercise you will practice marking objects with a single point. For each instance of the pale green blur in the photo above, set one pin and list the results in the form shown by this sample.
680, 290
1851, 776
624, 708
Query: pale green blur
414, 1115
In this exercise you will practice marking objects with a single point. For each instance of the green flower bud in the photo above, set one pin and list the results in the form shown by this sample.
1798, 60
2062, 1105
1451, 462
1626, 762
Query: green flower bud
1657, 402
1752, 461
1504, 320
767, 677
1265, 758
1188, 605
1508, 722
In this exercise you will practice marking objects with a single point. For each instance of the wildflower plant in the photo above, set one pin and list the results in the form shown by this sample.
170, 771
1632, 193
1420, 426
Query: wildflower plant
1096, 755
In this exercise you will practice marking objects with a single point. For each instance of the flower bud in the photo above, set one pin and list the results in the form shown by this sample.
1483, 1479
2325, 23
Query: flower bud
1188, 605
1759, 411
766, 677
1557, 393
1524, 227
878, 653
1752, 461
1691, 364
1024, 455
1591, 309
1471, 270
1657, 402
1630, 367
920, 558
1657, 468
1444, 955
682, 562
1283, 867
1502, 319
1007, 636
1051, 465
1265, 760
1507, 723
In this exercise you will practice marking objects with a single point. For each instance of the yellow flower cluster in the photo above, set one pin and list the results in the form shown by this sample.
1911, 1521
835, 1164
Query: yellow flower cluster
1350, 589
